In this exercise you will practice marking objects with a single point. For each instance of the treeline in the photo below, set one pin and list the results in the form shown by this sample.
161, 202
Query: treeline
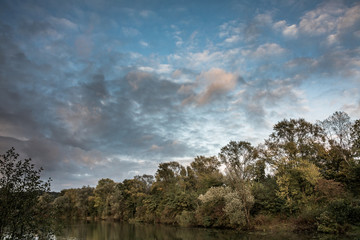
309, 173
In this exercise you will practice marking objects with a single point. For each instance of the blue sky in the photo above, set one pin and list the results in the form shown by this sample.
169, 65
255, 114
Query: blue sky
96, 89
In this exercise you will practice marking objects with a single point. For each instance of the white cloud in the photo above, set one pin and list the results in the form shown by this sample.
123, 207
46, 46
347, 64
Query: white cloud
233, 39
164, 69
332, 20
146, 69
231, 30
179, 42
287, 31
143, 43
290, 31
146, 13
200, 58
350, 18
332, 39
155, 147
280, 25
63, 22
322, 20
265, 50
130, 32
263, 19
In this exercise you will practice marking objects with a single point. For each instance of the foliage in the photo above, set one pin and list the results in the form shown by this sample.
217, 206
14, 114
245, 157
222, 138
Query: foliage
327, 224
206, 173
20, 190
211, 211
186, 219
306, 172
296, 181
238, 158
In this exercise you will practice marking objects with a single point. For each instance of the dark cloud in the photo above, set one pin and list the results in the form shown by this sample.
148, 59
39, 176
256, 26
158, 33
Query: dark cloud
260, 95
74, 97
70, 123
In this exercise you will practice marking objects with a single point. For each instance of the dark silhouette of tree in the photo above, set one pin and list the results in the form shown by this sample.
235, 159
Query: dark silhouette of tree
20, 191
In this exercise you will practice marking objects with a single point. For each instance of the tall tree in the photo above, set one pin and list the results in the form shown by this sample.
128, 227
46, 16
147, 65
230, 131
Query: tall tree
20, 189
207, 173
355, 138
295, 150
338, 128
338, 162
293, 140
103, 191
239, 158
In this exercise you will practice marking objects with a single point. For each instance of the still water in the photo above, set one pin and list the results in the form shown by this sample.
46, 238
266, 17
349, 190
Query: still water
126, 231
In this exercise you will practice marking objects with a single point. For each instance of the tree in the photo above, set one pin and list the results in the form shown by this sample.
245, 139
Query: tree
337, 128
239, 159
206, 173
355, 138
20, 190
293, 140
103, 191
169, 172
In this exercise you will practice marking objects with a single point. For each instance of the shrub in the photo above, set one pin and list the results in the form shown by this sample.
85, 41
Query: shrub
186, 219
327, 223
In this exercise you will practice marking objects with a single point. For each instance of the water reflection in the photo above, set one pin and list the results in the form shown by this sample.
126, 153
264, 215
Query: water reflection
126, 231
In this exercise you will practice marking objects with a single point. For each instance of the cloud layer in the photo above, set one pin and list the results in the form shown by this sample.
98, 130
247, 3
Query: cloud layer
93, 90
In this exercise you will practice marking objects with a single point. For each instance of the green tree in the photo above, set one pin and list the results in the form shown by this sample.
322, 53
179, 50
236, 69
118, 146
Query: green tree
293, 140
211, 211
355, 138
20, 189
296, 183
239, 159
103, 191
295, 150
206, 173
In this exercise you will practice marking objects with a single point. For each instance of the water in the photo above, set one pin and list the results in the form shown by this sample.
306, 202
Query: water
126, 231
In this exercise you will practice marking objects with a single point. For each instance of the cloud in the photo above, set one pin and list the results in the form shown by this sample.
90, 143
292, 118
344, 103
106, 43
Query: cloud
332, 20
86, 100
130, 32
212, 83
84, 45
144, 44
350, 18
322, 20
353, 109
63, 23
235, 31
332, 64
147, 13
265, 50
70, 122
259, 97
288, 31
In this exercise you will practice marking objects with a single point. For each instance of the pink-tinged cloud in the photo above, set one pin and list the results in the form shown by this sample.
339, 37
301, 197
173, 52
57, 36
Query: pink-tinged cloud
212, 84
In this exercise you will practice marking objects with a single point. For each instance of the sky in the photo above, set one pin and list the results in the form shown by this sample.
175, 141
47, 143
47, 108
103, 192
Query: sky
96, 89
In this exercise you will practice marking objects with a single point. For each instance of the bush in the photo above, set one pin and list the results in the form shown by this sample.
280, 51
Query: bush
186, 219
327, 223
307, 219
354, 216
340, 210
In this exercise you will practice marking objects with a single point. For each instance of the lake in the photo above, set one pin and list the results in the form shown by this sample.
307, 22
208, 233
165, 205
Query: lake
125, 231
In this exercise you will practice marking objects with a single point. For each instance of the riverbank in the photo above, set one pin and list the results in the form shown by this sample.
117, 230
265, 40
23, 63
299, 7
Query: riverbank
113, 230
262, 225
